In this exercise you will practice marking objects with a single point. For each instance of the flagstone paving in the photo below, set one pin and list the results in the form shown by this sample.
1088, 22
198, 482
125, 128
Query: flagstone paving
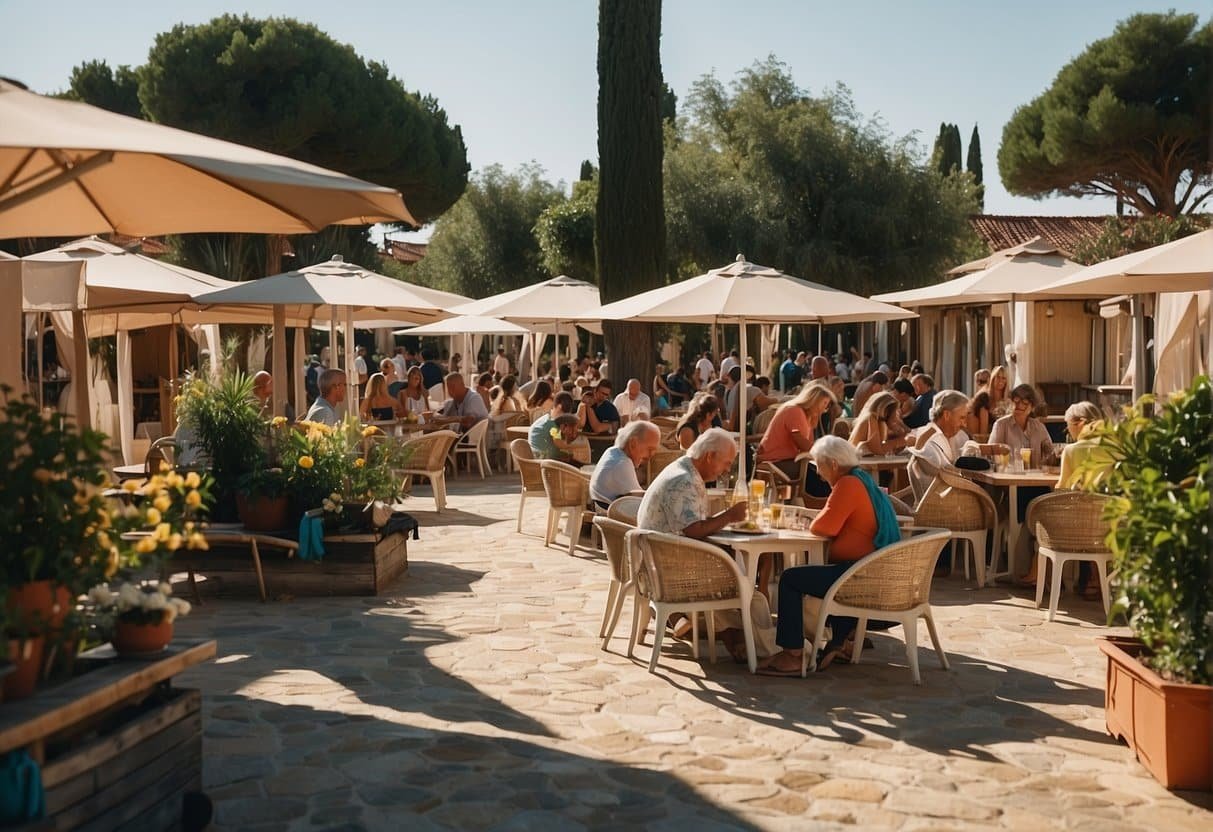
475, 695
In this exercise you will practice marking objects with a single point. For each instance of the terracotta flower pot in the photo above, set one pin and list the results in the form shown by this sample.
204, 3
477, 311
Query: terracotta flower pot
26, 656
264, 514
135, 639
39, 606
1167, 724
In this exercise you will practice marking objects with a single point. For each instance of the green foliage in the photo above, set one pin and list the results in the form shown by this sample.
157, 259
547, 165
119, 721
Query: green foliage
326, 467
486, 243
1119, 236
565, 232
669, 104
94, 82
587, 172
51, 508
1160, 532
286, 87
973, 165
1128, 118
945, 156
225, 420
805, 184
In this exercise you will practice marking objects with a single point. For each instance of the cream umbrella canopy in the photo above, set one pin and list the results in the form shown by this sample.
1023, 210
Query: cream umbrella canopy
71, 168
744, 293
1184, 265
540, 306
334, 289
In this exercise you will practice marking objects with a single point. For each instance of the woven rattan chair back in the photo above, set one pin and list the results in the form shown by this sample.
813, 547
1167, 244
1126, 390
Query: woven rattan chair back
677, 569
428, 452
660, 459
952, 502
1070, 521
897, 577
763, 420
564, 484
528, 466
613, 533
624, 509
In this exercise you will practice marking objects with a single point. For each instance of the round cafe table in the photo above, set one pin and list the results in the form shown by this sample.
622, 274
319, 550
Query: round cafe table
129, 472
747, 547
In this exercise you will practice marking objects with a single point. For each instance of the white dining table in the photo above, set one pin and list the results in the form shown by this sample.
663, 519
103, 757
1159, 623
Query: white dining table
1012, 482
792, 542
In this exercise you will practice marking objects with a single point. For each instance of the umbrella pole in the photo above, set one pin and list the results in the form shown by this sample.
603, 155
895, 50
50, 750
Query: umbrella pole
332, 338
741, 408
820, 335
351, 375
1139, 347
279, 373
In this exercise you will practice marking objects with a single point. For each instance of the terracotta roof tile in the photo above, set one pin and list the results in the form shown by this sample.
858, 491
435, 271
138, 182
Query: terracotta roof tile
999, 232
402, 251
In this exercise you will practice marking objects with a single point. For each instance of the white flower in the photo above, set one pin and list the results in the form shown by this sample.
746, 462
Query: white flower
101, 595
154, 601
164, 589
180, 606
170, 613
129, 598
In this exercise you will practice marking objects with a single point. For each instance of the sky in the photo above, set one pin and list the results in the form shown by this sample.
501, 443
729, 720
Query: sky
520, 77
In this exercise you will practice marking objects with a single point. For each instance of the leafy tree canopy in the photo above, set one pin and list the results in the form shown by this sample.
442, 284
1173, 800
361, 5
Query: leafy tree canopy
1127, 118
806, 184
486, 243
565, 232
1121, 236
116, 90
287, 87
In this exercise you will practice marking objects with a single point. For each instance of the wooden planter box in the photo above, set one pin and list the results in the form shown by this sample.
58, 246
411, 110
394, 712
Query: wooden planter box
1167, 724
118, 746
353, 564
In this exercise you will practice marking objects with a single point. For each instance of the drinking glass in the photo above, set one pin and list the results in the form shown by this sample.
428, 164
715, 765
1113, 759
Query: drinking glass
1025, 455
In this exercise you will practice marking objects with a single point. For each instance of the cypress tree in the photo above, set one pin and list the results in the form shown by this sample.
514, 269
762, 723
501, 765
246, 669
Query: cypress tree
973, 165
945, 157
954, 154
587, 171
629, 231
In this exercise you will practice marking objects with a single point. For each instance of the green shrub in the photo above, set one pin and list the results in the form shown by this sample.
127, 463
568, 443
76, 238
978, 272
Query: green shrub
1160, 532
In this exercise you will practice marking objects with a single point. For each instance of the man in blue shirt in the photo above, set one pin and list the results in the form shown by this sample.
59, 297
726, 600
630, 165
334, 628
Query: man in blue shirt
597, 412
680, 386
789, 373
924, 386
561, 417
431, 371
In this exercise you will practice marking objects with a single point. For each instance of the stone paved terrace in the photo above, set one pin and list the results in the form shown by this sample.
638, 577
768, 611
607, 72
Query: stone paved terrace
475, 696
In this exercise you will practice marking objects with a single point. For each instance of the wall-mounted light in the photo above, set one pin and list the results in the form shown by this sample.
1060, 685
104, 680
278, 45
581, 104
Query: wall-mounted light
1049, 309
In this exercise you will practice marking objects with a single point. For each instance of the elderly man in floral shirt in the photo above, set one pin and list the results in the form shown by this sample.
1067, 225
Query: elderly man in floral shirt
677, 502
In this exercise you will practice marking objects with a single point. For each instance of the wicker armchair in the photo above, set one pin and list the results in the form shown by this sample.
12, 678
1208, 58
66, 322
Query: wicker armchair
951, 502
776, 479
613, 534
624, 509
502, 424
658, 462
528, 471
474, 444
678, 574
891, 584
425, 456
1069, 526
163, 450
568, 491
763, 421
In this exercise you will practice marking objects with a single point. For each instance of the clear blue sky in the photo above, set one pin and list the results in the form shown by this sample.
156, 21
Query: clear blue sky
520, 76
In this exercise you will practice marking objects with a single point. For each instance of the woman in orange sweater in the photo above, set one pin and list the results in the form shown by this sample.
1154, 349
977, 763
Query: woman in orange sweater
859, 519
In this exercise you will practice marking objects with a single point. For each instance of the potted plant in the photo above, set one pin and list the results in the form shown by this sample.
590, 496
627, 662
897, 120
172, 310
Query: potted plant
223, 418
1158, 693
138, 615
57, 536
262, 502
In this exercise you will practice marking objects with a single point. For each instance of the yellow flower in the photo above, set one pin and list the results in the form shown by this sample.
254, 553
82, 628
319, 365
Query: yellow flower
192, 480
278, 421
111, 563
359, 462
130, 486
174, 479
103, 540
370, 430
197, 541
164, 466
146, 545
162, 502
555, 432
153, 516
163, 530
174, 542
306, 462
193, 499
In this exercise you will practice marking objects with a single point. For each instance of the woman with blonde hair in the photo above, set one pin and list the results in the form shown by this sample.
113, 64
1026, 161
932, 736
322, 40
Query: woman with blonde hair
871, 432
377, 405
989, 404
413, 397
505, 398
792, 432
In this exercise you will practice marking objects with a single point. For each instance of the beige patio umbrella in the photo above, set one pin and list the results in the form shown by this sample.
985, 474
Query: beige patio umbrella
70, 168
745, 293
1184, 265
541, 307
334, 289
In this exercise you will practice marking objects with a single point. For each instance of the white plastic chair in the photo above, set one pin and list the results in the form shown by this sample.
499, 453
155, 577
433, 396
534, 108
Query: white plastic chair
614, 543
678, 574
1069, 527
474, 444
437, 394
427, 458
891, 584
529, 471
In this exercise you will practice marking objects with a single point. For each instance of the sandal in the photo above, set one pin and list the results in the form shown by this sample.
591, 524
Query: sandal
768, 668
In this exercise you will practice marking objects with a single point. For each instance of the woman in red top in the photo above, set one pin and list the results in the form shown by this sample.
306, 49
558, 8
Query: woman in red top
853, 520
792, 431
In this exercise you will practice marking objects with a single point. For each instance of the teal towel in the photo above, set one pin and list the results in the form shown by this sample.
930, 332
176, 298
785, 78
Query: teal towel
311, 538
887, 530
21, 795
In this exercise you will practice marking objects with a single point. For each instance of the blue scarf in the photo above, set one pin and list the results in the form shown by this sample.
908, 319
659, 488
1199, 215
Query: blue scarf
887, 530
